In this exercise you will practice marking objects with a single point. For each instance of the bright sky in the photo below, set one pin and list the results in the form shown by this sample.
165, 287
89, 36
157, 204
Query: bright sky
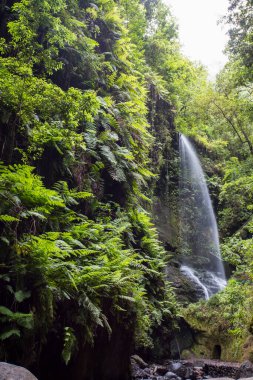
201, 38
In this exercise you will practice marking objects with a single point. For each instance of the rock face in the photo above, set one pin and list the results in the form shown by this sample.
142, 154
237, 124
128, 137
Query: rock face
186, 291
13, 372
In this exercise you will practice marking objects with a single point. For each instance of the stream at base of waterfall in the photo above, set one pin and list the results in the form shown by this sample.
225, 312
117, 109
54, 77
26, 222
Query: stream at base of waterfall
199, 238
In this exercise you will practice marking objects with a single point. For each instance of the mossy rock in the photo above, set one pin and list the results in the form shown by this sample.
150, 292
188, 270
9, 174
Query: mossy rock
248, 349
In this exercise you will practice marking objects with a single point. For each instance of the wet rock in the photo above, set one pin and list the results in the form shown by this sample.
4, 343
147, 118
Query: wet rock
147, 372
141, 373
159, 370
245, 370
139, 361
183, 370
13, 372
176, 366
139, 368
198, 373
186, 291
171, 376
199, 363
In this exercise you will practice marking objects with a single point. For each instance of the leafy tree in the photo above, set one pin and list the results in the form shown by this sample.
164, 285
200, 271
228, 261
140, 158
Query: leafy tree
240, 43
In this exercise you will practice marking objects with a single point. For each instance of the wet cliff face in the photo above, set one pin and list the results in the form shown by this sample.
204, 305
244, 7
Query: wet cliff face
165, 163
186, 291
107, 359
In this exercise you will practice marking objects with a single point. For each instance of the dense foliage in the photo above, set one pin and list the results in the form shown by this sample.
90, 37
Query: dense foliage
91, 97
81, 105
219, 117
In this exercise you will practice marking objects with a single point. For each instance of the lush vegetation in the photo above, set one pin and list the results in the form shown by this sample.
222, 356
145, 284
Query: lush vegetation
220, 118
80, 257
91, 96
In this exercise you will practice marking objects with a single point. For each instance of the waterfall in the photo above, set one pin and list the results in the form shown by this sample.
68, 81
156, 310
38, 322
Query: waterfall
199, 238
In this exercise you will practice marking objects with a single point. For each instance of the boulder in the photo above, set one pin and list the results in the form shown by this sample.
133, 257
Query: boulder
139, 361
198, 373
183, 370
245, 370
171, 376
14, 372
159, 370
140, 369
175, 366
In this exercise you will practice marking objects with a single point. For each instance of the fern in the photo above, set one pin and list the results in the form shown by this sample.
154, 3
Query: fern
66, 247
8, 219
9, 333
70, 344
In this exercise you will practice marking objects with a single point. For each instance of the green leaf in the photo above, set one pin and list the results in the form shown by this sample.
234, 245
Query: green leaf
5, 311
8, 218
9, 333
20, 295
69, 344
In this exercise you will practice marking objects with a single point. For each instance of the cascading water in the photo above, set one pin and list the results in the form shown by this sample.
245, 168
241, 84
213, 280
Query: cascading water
199, 238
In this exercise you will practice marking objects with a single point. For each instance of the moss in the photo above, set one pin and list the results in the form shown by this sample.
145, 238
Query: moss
224, 320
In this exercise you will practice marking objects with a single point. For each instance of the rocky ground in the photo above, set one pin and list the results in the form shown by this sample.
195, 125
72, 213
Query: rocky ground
191, 370
169, 370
